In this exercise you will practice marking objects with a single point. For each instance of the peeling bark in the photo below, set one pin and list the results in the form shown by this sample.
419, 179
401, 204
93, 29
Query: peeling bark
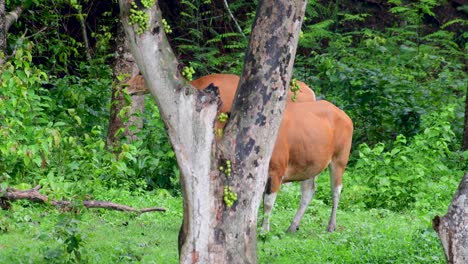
33, 195
213, 232
452, 228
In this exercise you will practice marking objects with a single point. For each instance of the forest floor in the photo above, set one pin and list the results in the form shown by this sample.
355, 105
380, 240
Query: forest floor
40, 234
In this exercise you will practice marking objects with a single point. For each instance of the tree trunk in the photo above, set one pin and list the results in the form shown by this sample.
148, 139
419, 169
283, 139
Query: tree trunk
124, 68
220, 228
452, 228
6, 21
465, 127
3, 31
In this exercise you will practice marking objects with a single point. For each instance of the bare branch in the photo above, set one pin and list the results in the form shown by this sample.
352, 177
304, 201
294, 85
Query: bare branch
226, 5
33, 195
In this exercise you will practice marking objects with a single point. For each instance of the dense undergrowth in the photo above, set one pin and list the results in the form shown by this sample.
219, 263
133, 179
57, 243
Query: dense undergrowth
403, 85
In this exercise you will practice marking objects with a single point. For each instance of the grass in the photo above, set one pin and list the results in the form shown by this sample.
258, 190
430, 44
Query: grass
31, 234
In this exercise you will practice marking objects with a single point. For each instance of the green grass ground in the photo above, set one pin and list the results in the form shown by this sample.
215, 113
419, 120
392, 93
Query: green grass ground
31, 234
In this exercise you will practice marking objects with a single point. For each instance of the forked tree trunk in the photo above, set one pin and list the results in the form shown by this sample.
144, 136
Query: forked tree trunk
452, 228
213, 232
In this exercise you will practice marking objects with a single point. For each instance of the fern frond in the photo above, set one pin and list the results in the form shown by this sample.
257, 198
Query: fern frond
354, 17
462, 21
223, 36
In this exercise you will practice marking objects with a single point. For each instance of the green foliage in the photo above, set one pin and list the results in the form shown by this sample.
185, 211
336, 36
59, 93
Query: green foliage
53, 138
27, 135
371, 236
383, 85
202, 40
403, 86
420, 173
70, 241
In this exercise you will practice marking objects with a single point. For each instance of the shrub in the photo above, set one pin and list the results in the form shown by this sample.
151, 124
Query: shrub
420, 173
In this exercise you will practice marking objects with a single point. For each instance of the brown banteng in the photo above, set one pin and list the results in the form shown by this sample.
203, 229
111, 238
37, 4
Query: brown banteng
312, 136
227, 84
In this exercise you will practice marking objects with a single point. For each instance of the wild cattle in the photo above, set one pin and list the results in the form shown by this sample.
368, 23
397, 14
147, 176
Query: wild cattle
313, 135
227, 84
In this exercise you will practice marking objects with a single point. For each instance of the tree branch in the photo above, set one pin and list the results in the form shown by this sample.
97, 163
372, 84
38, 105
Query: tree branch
33, 195
13, 17
226, 5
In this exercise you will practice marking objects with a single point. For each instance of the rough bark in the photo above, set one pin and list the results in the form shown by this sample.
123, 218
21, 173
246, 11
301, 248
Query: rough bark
452, 228
213, 232
465, 127
124, 66
34, 195
3, 31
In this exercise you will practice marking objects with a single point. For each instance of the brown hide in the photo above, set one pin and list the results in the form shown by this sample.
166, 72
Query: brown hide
311, 135
227, 84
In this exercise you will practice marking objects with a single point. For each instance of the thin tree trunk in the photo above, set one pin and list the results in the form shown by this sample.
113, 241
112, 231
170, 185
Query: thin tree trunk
452, 228
214, 230
3, 30
84, 32
124, 68
226, 5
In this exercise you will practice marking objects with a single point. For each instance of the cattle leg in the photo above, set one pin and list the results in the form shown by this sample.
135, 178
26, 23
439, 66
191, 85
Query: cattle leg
308, 188
336, 174
268, 203
269, 197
